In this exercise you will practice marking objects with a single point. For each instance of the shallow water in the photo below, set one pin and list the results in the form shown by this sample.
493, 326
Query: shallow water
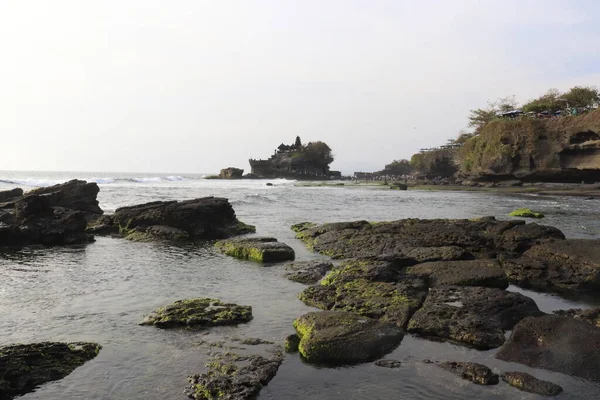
100, 292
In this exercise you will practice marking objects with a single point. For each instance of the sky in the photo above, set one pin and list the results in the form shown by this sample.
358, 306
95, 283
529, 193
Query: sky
193, 86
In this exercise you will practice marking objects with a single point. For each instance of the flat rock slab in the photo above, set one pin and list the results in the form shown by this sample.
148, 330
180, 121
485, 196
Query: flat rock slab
198, 313
337, 337
261, 249
451, 238
470, 371
589, 315
565, 265
23, 367
372, 289
556, 343
307, 272
393, 364
205, 218
473, 316
462, 273
529, 383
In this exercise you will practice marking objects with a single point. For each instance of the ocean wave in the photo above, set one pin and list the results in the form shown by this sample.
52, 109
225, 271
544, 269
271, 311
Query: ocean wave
37, 182
33, 182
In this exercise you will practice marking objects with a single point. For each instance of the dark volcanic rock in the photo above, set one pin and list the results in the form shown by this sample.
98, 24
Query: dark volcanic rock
474, 372
563, 265
555, 343
389, 363
7, 195
291, 343
475, 316
102, 225
479, 238
198, 313
443, 253
204, 218
462, 273
261, 249
307, 272
231, 173
375, 290
336, 337
232, 377
75, 195
23, 367
529, 383
589, 315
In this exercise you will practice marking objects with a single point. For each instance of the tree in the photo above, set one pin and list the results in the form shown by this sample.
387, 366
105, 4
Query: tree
552, 101
505, 104
298, 143
582, 97
480, 118
319, 153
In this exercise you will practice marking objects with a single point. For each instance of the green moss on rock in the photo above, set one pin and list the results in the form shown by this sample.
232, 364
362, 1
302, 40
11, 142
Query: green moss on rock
526, 213
291, 343
261, 249
198, 313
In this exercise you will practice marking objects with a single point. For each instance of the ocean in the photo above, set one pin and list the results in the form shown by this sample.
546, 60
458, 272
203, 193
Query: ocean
100, 292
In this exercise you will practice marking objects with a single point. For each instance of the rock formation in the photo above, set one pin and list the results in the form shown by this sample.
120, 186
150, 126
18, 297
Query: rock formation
231, 173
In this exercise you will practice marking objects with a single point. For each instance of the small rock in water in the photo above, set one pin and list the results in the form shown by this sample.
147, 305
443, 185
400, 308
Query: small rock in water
474, 372
291, 343
529, 383
254, 341
307, 272
388, 363
198, 313
261, 249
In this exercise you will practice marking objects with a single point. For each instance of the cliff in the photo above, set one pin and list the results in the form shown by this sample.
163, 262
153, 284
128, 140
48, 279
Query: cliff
564, 149
435, 163
297, 161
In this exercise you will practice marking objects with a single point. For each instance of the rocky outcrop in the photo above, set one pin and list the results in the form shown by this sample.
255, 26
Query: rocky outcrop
231, 173
473, 316
565, 149
261, 249
589, 315
470, 371
565, 266
462, 273
336, 337
23, 367
307, 272
555, 343
7, 195
75, 195
529, 383
198, 313
204, 218
478, 238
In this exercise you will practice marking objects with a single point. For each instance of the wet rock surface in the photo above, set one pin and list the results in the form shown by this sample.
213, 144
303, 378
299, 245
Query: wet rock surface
555, 343
589, 315
393, 364
563, 265
204, 218
75, 195
238, 375
478, 238
473, 316
462, 273
372, 289
336, 337
529, 383
261, 249
198, 313
307, 272
474, 372
6, 195
23, 367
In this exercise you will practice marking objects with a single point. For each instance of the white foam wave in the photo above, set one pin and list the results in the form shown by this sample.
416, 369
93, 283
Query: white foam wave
32, 182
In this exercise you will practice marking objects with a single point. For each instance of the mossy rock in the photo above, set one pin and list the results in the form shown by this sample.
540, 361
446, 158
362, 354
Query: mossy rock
291, 343
23, 367
529, 383
470, 371
337, 338
307, 272
198, 313
261, 249
526, 213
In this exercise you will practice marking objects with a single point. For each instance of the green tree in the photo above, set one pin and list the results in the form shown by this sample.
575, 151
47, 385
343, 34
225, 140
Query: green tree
479, 117
551, 101
505, 104
582, 97
298, 143
319, 153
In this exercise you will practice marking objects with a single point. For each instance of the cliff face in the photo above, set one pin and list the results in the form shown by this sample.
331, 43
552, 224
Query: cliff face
435, 163
565, 149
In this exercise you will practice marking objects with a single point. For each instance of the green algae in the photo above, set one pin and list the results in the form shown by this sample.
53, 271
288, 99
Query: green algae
526, 213
256, 249
291, 343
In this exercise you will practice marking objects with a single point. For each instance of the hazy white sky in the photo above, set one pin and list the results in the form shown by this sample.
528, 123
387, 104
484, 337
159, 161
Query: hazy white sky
194, 86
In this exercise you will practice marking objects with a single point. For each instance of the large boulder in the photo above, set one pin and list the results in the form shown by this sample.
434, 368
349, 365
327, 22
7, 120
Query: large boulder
23, 367
76, 195
462, 273
556, 343
562, 265
198, 313
231, 173
307, 272
7, 195
473, 316
467, 239
261, 249
204, 218
372, 289
529, 383
336, 337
